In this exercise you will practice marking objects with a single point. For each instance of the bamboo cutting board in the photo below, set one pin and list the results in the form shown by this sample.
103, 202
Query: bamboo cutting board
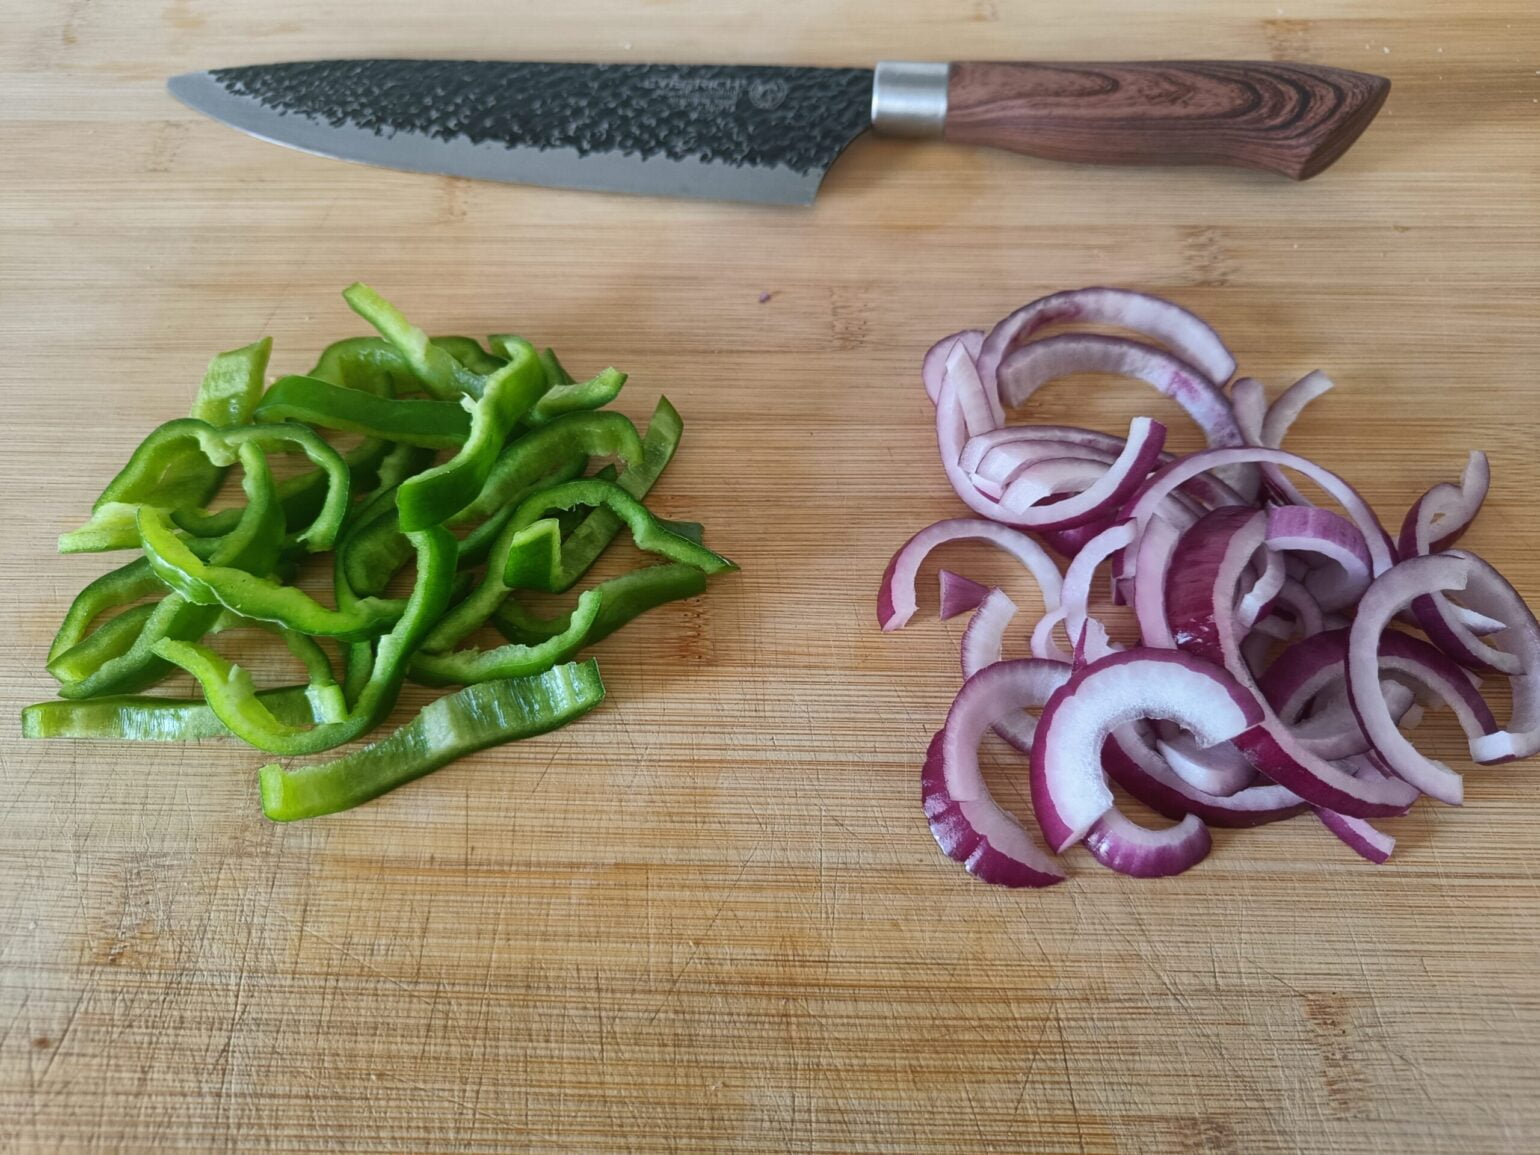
709, 916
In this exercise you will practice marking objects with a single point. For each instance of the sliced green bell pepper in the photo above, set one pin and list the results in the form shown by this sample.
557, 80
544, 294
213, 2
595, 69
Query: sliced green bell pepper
438, 494
254, 543
479, 716
532, 565
438, 371
254, 596
142, 718
233, 698
623, 598
436, 424
141, 484
514, 660
176, 474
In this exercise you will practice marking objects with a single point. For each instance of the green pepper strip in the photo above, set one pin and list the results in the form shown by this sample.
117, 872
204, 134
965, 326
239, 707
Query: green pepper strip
555, 372
625, 597
514, 660
230, 692
435, 368
175, 475
231, 385
436, 424
141, 718
436, 495
531, 565
584, 545
479, 716
162, 449
119, 587
374, 365
252, 596
112, 639
254, 544
528, 542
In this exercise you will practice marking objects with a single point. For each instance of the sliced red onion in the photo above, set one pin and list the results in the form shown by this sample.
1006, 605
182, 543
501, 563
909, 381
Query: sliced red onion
1219, 769
1074, 439
1445, 625
1248, 399
896, 597
933, 367
1375, 845
1477, 623
1258, 598
1069, 790
983, 644
959, 594
1489, 593
1302, 607
1093, 644
978, 403
1033, 365
1102, 490
991, 845
1282, 413
1307, 529
1200, 606
1168, 477
1134, 766
1185, 334
1156, 546
995, 693
1004, 463
1075, 596
1068, 543
1333, 731
1318, 665
1121, 844
1043, 643
1451, 508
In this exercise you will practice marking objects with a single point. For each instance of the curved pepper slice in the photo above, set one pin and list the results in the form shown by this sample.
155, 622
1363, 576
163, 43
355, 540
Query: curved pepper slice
181, 475
254, 544
533, 565
233, 698
439, 372
438, 494
479, 716
584, 545
514, 660
140, 484
563, 395
623, 598
375, 365
412, 421
141, 718
252, 596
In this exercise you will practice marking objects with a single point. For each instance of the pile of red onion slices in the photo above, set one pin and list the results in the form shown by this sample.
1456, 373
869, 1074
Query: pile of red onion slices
1276, 672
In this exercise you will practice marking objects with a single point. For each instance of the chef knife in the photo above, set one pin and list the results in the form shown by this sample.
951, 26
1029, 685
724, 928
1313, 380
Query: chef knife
769, 134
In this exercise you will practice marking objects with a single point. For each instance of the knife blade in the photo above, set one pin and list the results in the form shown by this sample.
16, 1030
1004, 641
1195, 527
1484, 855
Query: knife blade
770, 133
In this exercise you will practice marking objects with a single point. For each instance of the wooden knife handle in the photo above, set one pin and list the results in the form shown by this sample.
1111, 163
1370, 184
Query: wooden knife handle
1292, 119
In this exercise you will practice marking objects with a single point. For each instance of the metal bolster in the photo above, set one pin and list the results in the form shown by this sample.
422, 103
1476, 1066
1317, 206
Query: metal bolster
909, 98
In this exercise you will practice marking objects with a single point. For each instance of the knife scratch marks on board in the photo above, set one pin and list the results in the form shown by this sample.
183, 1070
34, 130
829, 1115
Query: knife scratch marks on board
456, 191
1290, 40
167, 143
849, 317
1208, 261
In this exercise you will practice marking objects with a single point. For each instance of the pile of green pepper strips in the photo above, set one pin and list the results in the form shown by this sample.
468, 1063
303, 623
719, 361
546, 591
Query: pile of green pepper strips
519, 433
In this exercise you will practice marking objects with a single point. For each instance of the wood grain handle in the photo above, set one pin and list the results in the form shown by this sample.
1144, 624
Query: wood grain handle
1293, 119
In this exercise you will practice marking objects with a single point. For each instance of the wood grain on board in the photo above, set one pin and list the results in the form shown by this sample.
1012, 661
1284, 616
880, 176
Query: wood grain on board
709, 916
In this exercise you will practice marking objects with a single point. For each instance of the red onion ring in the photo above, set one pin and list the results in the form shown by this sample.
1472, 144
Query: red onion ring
1200, 607
933, 367
1069, 790
1375, 845
896, 597
991, 845
1187, 335
1121, 844
1307, 529
1134, 766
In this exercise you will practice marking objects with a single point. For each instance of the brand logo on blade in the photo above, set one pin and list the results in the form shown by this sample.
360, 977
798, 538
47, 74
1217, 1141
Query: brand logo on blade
713, 94
768, 94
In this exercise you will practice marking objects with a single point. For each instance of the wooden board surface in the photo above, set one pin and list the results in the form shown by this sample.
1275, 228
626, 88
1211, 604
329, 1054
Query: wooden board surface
709, 917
